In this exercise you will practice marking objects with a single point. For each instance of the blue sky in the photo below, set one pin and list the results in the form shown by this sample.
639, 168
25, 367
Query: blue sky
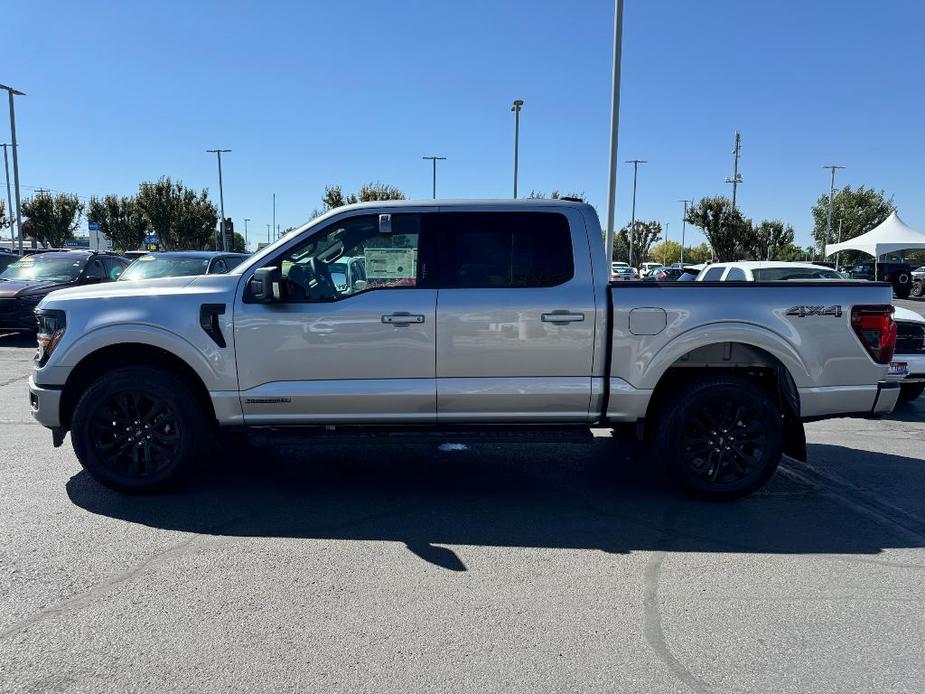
310, 93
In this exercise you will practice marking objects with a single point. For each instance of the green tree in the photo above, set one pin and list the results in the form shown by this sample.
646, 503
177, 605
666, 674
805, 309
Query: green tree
334, 195
696, 255
237, 244
554, 195
53, 219
120, 220
182, 218
858, 211
644, 235
667, 252
4, 222
721, 223
767, 239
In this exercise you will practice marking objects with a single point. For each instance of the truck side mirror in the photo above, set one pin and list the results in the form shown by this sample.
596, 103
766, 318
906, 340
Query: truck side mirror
266, 286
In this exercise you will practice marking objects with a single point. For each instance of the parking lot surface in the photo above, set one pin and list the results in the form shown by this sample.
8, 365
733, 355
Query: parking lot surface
488, 568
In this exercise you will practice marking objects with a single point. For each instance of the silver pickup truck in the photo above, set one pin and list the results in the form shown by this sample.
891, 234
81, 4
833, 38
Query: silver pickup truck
494, 319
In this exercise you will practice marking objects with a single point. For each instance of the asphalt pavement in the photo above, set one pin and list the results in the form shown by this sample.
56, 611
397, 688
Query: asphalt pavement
489, 568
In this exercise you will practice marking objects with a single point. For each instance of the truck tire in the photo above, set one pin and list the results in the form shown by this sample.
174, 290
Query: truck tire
902, 284
720, 438
918, 288
138, 429
910, 391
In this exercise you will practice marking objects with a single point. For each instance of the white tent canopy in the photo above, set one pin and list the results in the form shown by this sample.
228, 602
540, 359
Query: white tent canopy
889, 236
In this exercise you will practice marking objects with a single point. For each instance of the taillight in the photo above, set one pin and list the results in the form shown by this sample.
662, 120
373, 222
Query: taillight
875, 327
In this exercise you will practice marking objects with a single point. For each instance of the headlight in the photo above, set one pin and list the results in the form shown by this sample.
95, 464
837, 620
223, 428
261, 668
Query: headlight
51, 329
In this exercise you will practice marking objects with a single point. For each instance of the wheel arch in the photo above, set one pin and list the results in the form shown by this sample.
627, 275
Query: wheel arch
101, 361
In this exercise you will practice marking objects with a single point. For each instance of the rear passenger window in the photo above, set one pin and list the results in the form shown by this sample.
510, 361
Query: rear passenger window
504, 250
736, 274
714, 274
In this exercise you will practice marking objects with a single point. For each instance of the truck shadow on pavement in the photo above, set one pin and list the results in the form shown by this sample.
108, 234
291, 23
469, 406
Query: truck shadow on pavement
601, 497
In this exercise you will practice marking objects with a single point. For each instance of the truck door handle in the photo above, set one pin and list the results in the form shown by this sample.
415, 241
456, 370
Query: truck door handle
402, 318
562, 317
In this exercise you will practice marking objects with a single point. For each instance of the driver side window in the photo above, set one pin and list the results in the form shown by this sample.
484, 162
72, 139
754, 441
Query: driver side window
352, 256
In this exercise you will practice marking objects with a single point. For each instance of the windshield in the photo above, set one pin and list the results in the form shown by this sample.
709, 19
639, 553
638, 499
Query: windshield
150, 266
772, 274
45, 268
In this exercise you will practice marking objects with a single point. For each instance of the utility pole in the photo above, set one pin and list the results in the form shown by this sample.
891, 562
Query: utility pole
635, 163
221, 194
15, 92
518, 104
684, 226
246, 220
9, 198
838, 255
614, 128
828, 226
435, 160
268, 233
274, 214
736, 176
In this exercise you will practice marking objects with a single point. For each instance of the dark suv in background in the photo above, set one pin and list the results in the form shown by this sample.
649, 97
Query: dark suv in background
27, 280
897, 274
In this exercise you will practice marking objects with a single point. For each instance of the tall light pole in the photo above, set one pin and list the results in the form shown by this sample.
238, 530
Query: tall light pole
274, 214
736, 178
828, 225
614, 127
635, 163
15, 92
9, 199
246, 220
684, 226
268, 233
518, 104
435, 160
221, 194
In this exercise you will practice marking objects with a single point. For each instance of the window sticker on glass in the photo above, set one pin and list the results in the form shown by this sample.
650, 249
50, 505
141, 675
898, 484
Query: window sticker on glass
390, 263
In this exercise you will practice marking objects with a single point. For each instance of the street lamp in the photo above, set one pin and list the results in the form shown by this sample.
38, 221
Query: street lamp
435, 160
828, 226
635, 163
518, 104
221, 194
684, 226
614, 127
9, 199
15, 92
246, 220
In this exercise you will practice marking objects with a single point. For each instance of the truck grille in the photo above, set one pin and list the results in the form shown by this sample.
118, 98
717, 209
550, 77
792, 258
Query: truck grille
910, 338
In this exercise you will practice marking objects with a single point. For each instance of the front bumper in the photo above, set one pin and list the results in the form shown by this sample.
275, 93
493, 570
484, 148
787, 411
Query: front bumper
45, 402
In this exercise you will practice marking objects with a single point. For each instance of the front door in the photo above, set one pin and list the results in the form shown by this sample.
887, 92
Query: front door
515, 318
338, 348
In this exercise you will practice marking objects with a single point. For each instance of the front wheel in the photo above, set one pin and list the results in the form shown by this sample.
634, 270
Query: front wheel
720, 438
138, 429
918, 288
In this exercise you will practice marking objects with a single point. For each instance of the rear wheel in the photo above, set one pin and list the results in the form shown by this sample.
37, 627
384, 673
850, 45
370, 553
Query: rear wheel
138, 429
918, 288
720, 438
910, 391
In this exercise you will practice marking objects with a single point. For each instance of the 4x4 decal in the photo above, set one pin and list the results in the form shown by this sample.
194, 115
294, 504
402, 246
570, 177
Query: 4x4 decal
803, 311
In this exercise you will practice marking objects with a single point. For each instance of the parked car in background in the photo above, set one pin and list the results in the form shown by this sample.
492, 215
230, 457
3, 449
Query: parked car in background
765, 271
647, 269
624, 274
7, 258
896, 273
910, 350
689, 273
666, 274
26, 281
918, 282
616, 265
182, 263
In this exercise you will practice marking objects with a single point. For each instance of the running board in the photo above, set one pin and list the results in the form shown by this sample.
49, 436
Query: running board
435, 435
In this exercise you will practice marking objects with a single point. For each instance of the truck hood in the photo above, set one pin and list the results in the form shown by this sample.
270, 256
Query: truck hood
905, 314
139, 289
12, 288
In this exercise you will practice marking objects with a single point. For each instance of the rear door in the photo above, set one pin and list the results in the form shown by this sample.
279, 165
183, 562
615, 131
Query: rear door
515, 317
